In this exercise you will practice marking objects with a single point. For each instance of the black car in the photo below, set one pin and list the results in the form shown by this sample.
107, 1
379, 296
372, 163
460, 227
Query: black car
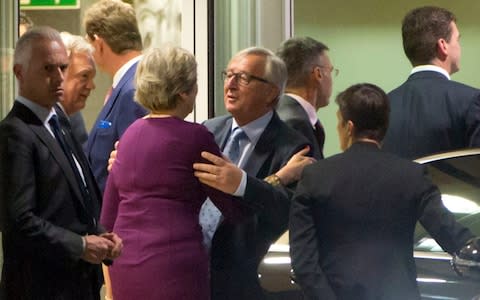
457, 174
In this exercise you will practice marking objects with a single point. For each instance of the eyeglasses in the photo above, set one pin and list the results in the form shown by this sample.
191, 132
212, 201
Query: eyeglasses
332, 70
242, 77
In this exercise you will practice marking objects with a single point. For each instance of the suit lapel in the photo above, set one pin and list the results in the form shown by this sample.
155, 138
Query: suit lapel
36, 125
103, 115
263, 148
296, 116
81, 159
221, 136
116, 92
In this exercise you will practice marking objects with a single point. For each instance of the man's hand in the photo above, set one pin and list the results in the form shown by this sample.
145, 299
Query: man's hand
113, 156
117, 244
96, 248
221, 174
292, 171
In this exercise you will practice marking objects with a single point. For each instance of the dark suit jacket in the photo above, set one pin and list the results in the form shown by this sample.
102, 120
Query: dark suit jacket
352, 222
293, 114
430, 114
43, 213
237, 249
118, 113
78, 128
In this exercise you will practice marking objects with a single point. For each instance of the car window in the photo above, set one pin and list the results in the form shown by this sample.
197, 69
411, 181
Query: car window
458, 179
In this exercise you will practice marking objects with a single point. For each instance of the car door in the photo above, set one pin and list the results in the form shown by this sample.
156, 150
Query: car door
457, 175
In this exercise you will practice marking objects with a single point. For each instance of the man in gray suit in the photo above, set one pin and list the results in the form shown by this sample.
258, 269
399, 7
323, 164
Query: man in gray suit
253, 82
309, 87
429, 112
78, 82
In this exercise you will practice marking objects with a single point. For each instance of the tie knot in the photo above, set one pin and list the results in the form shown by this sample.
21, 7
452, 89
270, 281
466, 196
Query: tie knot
54, 121
233, 149
237, 135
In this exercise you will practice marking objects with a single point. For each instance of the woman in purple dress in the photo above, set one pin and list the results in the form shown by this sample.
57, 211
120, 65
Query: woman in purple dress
152, 198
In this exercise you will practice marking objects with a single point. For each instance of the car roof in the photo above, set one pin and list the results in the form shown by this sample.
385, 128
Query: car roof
449, 154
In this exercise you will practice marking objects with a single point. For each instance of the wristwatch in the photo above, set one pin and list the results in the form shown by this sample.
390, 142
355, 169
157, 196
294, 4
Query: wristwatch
273, 180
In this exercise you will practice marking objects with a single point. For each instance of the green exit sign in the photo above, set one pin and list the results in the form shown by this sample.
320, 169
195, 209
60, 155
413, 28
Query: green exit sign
49, 4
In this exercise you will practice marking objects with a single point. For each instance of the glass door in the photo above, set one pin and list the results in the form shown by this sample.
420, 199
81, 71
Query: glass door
8, 37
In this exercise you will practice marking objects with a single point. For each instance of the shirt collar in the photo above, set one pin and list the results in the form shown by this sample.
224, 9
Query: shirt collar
307, 106
254, 129
62, 108
41, 112
121, 72
430, 68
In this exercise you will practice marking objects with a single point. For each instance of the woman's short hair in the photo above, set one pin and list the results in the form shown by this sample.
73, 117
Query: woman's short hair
162, 74
367, 106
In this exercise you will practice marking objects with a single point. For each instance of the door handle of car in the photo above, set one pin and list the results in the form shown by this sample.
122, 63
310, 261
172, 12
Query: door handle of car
293, 278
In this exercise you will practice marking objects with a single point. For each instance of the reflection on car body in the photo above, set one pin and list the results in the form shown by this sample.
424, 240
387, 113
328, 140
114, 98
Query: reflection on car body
457, 175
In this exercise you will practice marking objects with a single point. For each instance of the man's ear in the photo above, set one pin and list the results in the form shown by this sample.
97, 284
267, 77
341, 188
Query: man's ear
442, 49
99, 44
350, 128
273, 93
17, 70
317, 73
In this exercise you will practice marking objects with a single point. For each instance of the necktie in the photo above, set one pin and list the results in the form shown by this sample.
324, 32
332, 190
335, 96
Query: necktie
232, 149
67, 150
320, 134
109, 93
210, 216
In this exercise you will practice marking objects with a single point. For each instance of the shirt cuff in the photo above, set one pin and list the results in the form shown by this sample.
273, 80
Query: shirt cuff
84, 244
242, 186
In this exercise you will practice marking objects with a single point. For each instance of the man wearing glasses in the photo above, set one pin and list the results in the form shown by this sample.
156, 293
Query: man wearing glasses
309, 86
253, 82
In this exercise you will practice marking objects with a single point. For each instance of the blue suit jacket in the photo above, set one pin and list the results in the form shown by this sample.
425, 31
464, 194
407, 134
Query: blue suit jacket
118, 113
430, 113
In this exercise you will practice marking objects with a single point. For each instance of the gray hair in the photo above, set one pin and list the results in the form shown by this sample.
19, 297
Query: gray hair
162, 74
76, 44
275, 69
23, 48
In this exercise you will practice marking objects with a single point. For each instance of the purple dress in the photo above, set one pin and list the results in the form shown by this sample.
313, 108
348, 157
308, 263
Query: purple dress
152, 201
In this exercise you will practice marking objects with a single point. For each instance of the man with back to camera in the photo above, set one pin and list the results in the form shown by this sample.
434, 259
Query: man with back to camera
49, 201
309, 87
253, 82
429, 112
354, 214
112, 30
78, 82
